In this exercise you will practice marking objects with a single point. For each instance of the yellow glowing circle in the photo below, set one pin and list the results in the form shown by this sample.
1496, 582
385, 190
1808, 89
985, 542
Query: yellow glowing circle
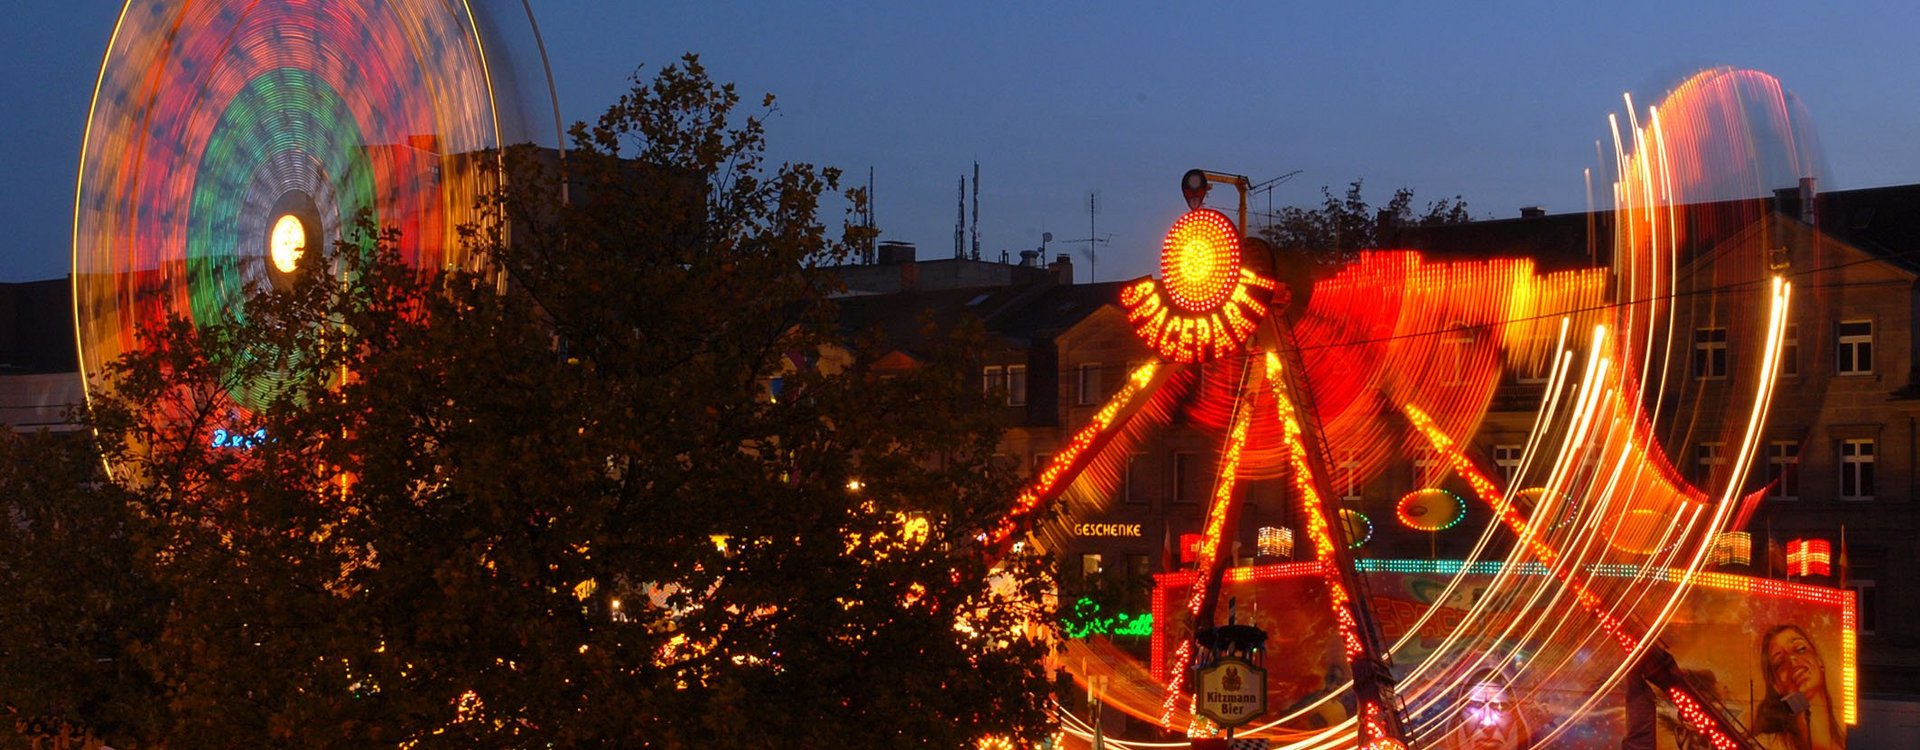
287, 243
1200, 262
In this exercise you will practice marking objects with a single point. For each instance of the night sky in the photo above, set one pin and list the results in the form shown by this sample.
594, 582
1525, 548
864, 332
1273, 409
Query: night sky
1500, 103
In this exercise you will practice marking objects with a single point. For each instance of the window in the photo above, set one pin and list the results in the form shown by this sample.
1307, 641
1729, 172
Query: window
1130, 488
1855, 348
1709, 353
1708, 457
1016, 385
1456, 352
1506, 458
1856, 469
1040, 461
1538, 362
1783, 470
1187, 487
1424, 465
993, 381
1139, 567
1089, 384
1090, 564
1866, 605
1348, 472
1790, 352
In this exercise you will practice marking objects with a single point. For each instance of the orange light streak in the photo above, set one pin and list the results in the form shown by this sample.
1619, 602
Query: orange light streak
1066, 462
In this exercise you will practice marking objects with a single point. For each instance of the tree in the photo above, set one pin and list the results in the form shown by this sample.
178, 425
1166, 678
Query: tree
1343, 226
573, 513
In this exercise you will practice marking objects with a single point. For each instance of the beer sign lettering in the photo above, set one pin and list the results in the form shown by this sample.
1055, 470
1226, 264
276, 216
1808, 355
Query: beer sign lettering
1232, 692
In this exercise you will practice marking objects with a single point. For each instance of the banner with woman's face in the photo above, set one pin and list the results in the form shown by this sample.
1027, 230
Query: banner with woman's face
1774, 654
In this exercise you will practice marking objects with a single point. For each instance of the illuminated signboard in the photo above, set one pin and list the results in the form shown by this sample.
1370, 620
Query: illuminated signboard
1107, 529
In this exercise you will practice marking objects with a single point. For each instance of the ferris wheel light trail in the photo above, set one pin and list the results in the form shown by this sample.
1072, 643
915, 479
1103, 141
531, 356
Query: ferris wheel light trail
226, 139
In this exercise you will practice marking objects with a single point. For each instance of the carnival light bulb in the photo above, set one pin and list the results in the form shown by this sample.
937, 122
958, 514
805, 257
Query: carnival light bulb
287, 243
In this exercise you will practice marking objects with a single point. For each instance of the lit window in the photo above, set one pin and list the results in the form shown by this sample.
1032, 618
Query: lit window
1709, 457
993, 381
1709, 353
1016, 385
1090, 564
1506, 458
1855, 348
1349, 472
1866, 606
1790, 352
1187, 487
1089, 385
1856, 469
1783, 470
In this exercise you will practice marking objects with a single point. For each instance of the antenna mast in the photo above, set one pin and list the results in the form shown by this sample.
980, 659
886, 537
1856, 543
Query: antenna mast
976, 210
960, 223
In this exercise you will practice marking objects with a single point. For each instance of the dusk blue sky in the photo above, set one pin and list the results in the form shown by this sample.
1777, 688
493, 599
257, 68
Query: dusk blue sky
1497, 102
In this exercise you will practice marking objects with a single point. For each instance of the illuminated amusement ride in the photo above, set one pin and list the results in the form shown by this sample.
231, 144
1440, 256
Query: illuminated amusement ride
226, 138
1584, 610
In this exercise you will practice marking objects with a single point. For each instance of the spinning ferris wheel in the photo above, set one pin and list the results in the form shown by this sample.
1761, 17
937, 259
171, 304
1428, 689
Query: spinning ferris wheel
1590, 541
227, 138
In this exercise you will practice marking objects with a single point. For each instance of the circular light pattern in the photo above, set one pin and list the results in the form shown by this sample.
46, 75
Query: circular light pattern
1562, 511
228, 137
288, 243
1430, 509
1358, 526
1200, 260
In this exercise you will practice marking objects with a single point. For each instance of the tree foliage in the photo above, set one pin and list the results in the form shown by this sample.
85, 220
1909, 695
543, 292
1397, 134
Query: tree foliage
1344, 225
569, 513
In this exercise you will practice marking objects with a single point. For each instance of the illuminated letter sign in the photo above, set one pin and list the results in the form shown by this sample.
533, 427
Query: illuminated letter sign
1107, 529
1205, 304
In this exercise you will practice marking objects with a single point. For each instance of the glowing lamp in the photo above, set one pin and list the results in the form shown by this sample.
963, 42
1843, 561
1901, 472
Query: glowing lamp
1358, 526
1809, 557
287, 243
1275, 541
1200, 261
1732, 548
1430, 509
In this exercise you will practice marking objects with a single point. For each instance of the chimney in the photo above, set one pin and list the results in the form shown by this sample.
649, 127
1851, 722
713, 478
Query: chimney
895, 252
1062, 269
1030, 258
1532, 212
1807, 215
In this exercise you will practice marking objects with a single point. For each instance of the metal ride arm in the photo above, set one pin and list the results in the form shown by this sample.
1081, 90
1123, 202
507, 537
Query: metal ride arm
1195, 183
1378, 705
1073, 457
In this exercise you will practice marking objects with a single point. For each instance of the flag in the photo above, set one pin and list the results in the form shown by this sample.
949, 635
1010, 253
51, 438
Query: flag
1843, 555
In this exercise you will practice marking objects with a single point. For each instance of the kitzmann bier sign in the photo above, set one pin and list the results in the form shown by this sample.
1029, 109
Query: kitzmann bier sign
1231, 692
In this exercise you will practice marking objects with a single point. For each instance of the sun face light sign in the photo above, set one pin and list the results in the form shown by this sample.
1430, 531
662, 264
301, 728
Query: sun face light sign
1206, 303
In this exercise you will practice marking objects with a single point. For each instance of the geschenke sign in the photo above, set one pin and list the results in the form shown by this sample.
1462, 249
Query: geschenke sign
1106, 529
1231, 692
